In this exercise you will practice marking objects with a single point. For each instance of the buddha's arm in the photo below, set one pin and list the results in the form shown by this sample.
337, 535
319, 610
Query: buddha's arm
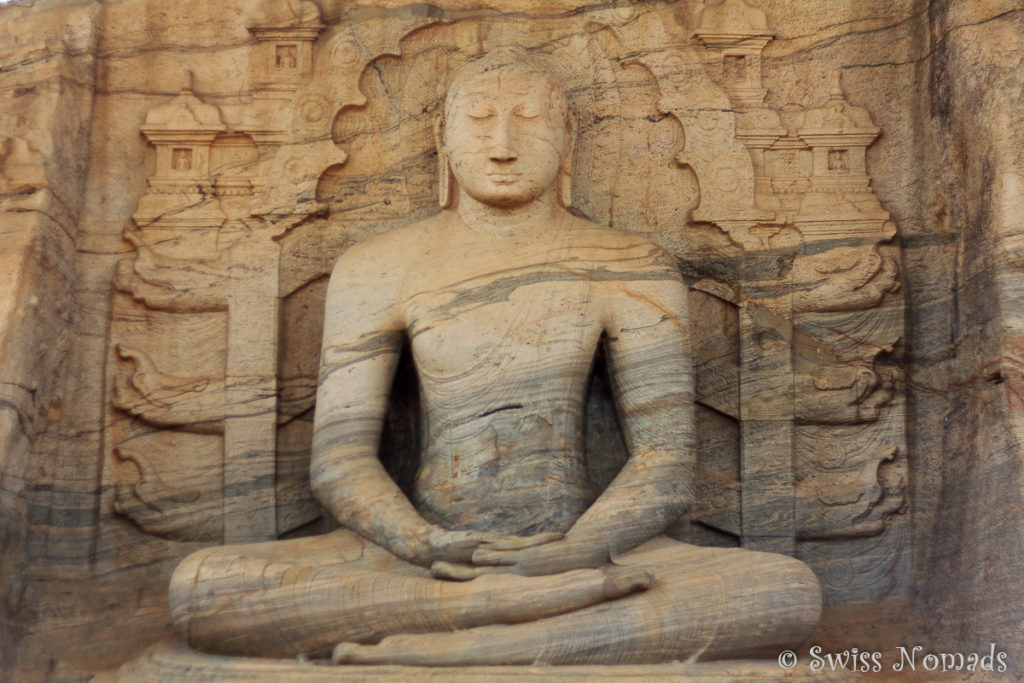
652, 380
649, 363
363, 333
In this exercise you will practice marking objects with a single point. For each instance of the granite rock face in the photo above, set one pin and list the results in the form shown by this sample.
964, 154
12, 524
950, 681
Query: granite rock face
838, 184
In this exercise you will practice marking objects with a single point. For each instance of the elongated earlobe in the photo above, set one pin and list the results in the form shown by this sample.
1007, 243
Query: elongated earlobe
565, 189
444, 170
444, 181
565, 172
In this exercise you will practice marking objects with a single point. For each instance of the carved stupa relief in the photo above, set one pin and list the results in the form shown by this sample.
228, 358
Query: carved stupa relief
794, 276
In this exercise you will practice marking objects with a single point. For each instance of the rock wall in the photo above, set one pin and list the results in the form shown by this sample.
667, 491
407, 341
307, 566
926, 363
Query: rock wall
966, 268
82, 87
48, 435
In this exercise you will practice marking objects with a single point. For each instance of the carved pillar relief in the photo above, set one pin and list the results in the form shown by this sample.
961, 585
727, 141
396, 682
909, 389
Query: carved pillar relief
824, 282
207, 258
822, 465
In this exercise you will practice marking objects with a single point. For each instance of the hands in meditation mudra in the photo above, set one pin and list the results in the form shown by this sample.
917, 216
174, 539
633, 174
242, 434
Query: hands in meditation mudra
504, 554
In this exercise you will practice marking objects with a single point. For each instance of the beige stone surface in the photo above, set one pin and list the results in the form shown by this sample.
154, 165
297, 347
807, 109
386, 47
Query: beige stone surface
171, 661
837, 181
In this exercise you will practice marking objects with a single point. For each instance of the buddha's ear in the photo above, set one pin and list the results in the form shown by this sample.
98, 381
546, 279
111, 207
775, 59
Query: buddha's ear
444, 171
565, 172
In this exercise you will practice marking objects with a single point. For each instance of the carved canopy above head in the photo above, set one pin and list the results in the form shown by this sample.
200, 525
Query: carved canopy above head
653, 128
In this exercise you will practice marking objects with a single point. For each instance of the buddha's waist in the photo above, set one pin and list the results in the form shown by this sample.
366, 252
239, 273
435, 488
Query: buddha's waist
521, 487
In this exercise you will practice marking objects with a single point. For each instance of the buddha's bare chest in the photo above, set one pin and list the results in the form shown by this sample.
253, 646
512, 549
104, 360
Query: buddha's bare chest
523, 321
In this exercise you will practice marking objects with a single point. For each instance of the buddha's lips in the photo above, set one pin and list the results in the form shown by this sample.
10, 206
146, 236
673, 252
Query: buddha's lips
504, 177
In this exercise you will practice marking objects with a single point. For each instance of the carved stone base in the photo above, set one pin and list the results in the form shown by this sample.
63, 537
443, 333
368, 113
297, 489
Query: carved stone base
173, 661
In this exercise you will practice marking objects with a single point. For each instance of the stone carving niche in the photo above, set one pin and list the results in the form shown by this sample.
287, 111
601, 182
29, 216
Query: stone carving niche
791, 260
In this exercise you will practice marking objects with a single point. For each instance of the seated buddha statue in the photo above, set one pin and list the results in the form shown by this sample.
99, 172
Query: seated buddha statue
503, 553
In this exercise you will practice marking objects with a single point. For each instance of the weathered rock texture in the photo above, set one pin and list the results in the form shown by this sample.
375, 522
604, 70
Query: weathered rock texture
839, 181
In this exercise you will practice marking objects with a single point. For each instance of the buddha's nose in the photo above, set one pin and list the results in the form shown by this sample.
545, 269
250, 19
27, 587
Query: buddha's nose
503, 151
503, 148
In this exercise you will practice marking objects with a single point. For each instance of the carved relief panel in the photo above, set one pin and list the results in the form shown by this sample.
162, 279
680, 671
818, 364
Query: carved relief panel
795, 303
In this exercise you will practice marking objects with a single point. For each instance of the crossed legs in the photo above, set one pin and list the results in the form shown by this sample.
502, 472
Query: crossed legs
285, 598
703, 603
306, 596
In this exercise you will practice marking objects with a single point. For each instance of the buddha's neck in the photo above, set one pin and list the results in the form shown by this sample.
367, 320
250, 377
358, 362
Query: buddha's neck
497, 220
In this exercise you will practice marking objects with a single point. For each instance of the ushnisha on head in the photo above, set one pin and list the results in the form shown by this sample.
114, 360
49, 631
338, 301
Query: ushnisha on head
506, 132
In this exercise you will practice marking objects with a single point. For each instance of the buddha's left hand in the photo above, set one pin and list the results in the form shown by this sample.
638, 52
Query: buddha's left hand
548, 558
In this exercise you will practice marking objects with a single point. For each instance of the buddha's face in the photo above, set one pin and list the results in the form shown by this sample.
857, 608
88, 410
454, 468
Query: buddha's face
505, 136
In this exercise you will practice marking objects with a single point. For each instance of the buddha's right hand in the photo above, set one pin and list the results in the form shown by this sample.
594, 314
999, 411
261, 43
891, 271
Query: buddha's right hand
457, 547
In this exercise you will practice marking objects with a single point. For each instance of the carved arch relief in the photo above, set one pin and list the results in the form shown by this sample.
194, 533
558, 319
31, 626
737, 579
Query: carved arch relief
242, 221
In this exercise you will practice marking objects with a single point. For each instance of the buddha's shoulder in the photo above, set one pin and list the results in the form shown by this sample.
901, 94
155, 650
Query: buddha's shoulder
621, 245
389, 250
